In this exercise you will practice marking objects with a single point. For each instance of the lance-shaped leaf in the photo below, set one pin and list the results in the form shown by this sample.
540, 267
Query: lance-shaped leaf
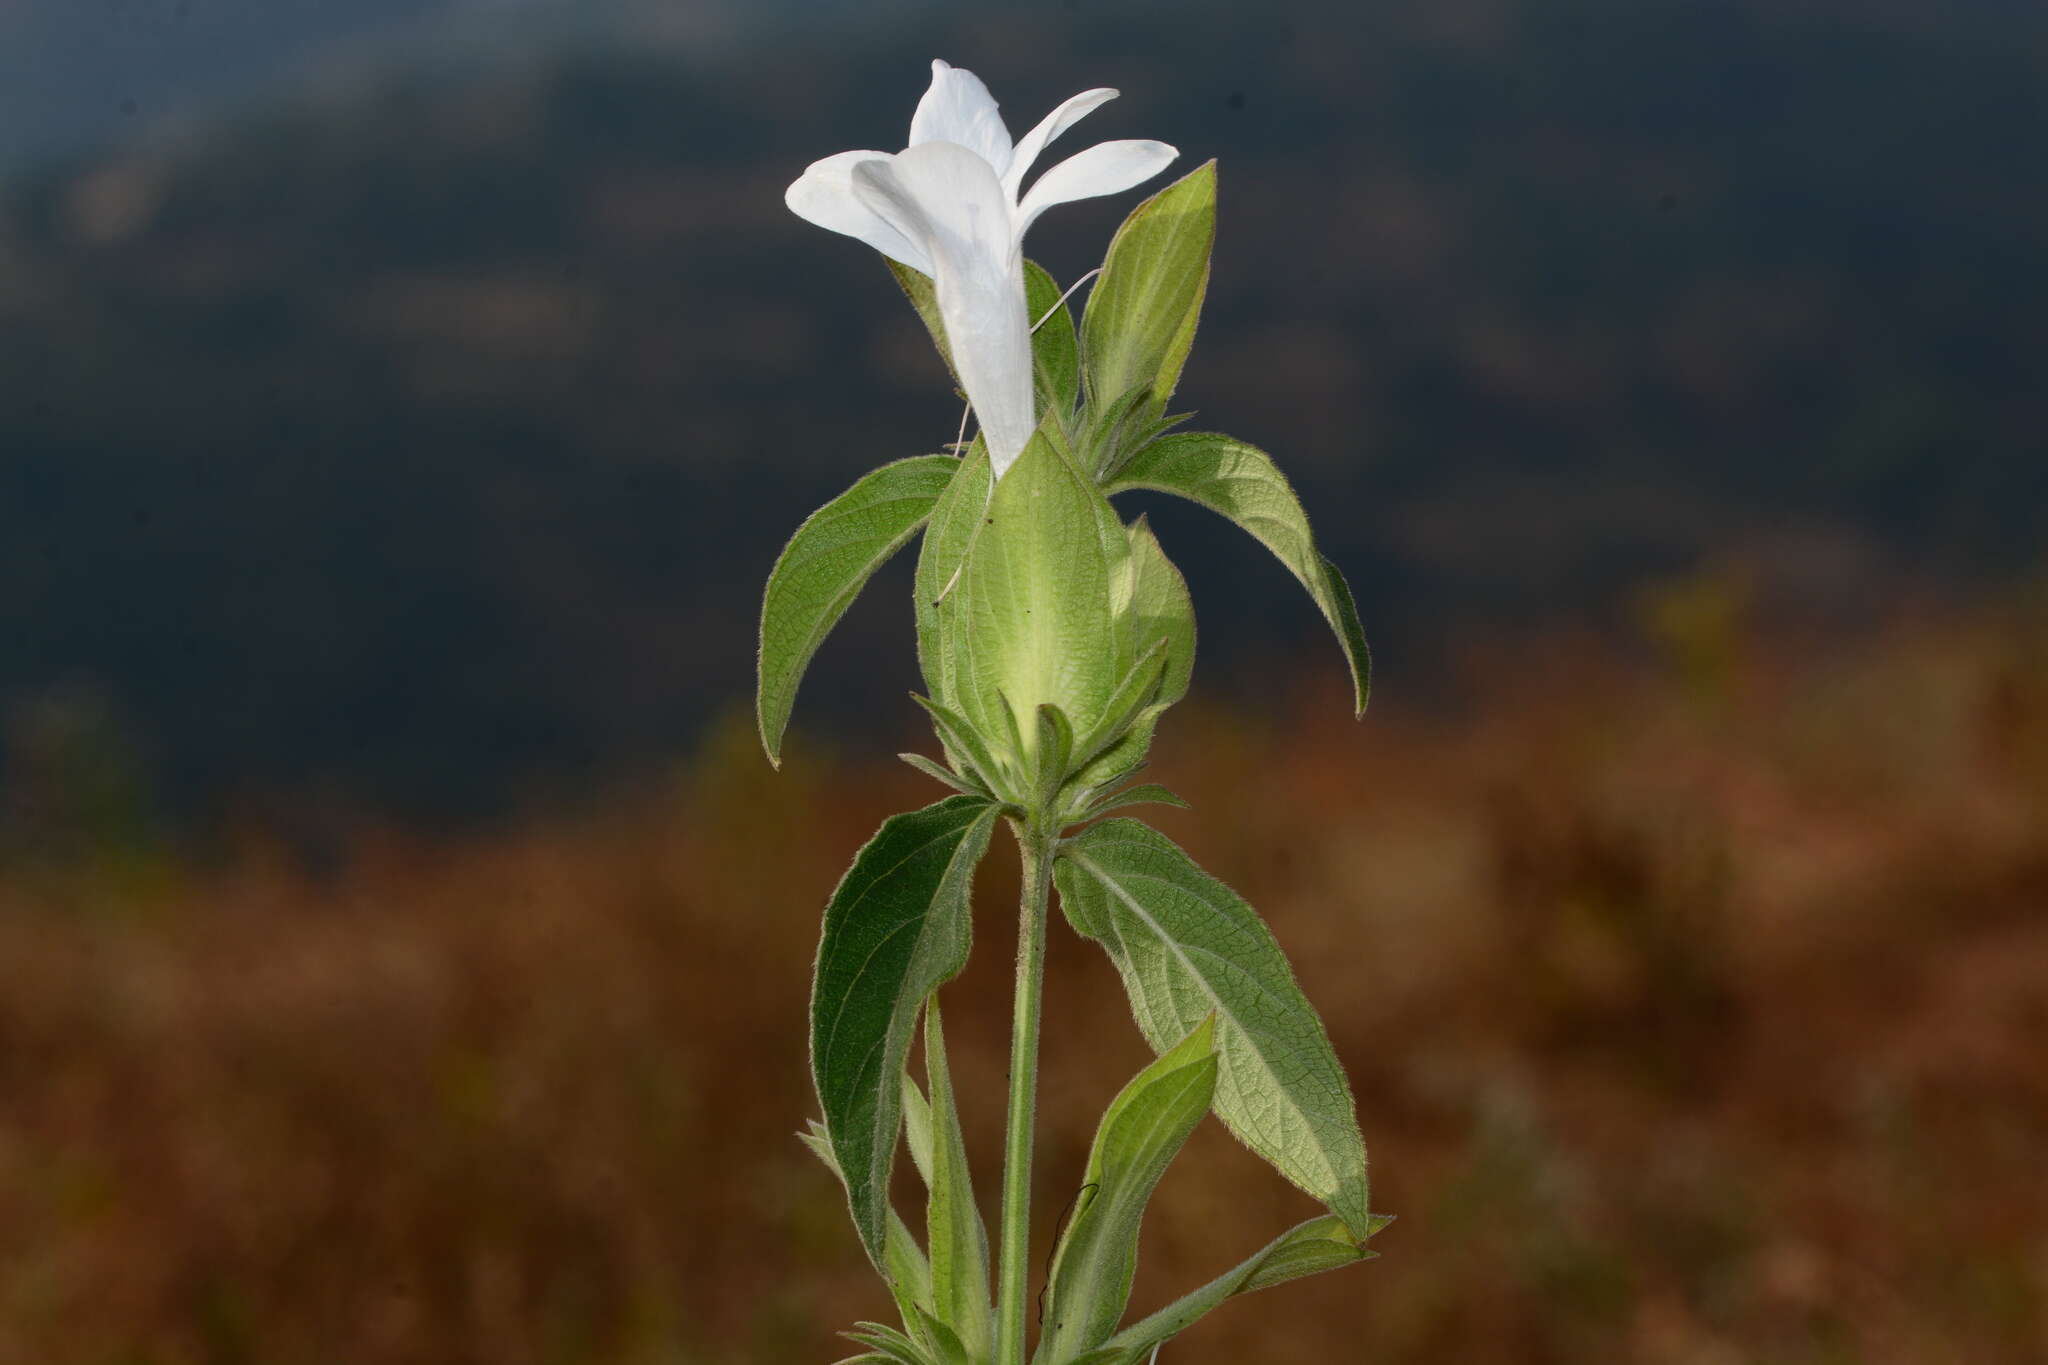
1055, 353
825, 565
953, 1226
903, 1262
1138, 1139
1142, 311
1040, 622
895, 930
1242, 483
1309, 1249
1186, 945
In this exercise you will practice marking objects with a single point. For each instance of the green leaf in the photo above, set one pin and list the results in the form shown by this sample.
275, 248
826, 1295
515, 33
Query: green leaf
954, 1230
956, 520
904, 1266
823, 568
1242, 483
1186, 945
1038, 620
1141, 313
1138, 1139
1159, 610
895, 930
1055, 353
1315, 1246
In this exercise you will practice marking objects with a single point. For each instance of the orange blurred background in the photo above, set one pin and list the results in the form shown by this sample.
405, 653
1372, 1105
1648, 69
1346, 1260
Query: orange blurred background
1696, 999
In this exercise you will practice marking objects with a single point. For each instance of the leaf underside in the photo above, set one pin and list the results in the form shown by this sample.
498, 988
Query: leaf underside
823, 568
1186, 945
895, 930
1241, 482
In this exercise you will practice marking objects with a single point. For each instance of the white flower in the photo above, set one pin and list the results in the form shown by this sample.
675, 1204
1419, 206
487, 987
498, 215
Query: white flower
951, 205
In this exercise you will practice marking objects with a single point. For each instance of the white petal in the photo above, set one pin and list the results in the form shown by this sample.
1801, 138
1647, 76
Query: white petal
1050, 127
949, 201
1105, 168
958, 108
943, 198
824, 195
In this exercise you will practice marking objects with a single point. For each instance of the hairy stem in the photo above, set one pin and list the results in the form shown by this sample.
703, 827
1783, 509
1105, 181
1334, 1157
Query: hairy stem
1014, 1267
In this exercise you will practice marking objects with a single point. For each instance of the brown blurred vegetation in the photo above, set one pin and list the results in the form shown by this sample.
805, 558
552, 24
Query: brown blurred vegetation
1696, 997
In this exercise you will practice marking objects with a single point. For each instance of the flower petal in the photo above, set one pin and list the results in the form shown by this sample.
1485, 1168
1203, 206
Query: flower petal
947, 199
1105, 168
824, 195
1050, 127
958, 108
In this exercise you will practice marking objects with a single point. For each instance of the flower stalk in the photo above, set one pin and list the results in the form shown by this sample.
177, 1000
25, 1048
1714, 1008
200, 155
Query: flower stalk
1013, 1265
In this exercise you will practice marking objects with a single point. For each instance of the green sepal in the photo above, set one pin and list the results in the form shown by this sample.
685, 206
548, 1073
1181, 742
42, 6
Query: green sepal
1241, 482
1055, 351
954, 1232
939, 772
1132, 439
890, 1343
1310, 1248
917, 1128
823, 568
1186, 945
1107, 432
1140, 1134
895, 930
1145, 793
1142, 311
1055, 752
963, 744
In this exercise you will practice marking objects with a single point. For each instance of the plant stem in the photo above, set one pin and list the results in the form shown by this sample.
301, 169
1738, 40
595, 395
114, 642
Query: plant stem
1014, 1273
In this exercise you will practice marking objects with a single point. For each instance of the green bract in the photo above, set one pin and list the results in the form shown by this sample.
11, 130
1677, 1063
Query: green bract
1142, 312
1052, 636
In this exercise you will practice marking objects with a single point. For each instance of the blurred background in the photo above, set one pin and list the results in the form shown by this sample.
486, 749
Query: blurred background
404, 944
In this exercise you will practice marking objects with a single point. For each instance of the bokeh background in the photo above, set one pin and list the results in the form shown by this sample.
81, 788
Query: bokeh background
403, 943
